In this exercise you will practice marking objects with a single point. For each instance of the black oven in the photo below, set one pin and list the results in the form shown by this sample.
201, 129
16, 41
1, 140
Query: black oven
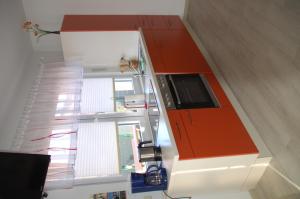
186, 91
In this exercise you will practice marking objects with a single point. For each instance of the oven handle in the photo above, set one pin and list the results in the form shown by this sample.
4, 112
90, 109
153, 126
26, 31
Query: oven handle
175, 90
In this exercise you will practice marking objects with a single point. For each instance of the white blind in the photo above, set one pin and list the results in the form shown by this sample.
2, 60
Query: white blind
97, 151
97, 95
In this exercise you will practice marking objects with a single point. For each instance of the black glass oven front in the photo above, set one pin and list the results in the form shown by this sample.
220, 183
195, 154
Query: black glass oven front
190, 91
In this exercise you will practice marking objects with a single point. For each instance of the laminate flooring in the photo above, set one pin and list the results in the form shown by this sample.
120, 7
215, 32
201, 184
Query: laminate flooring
255, 44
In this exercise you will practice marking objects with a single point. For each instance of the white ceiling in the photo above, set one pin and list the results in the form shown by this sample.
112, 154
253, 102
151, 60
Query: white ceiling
49, 13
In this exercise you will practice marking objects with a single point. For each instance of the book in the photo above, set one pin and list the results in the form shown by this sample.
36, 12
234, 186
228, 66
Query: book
109, 195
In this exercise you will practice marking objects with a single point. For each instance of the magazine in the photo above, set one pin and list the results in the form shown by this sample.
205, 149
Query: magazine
110, 195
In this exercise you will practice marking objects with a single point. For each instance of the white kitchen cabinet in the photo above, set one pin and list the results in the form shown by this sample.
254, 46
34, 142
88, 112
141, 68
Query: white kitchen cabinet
100, 48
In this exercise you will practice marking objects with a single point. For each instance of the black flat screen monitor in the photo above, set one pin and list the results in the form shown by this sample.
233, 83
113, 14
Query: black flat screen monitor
22, 175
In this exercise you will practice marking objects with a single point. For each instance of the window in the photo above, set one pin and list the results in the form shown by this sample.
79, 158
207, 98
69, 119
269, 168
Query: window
97, 151
124, 84
49, 122
123, 87
107, 94
108, 132
97, 95
128, 137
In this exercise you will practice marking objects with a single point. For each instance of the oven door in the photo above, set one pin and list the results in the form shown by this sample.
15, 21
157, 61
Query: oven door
191, 91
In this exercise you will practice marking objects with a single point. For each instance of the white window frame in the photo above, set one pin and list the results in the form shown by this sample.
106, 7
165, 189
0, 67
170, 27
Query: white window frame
137, 84
140, 116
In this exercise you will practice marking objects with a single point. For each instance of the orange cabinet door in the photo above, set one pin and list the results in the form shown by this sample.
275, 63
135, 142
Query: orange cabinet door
218, 91
182, 141
99, 22
154, 51
178, 52
217, 132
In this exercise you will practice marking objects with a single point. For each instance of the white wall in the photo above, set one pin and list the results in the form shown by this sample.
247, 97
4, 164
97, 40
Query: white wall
49, 13
100, 48
15, 48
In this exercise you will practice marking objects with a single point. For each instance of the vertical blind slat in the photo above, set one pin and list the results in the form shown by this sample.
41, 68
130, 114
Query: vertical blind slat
97, 153
97, 95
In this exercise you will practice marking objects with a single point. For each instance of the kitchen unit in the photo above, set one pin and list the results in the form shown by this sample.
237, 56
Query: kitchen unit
204, 148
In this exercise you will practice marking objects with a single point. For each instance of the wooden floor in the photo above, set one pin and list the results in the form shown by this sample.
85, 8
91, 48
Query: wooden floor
256, 46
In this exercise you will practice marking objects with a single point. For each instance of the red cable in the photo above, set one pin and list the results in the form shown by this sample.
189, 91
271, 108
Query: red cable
58, 135
58, 149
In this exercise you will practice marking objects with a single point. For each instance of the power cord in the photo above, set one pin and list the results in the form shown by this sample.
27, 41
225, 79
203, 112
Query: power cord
177, 198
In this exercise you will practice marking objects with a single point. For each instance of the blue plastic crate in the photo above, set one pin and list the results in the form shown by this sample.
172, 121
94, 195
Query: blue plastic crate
138, 183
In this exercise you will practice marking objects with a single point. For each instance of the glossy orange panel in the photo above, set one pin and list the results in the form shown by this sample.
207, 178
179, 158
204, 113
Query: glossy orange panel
216, 132
120, 22
99, 22
182, 140
218, 90
178, 52
174, 22
154, 51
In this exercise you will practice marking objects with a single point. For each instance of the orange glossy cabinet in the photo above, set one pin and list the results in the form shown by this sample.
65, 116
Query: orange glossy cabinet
215, 132
174, 22
120, 22
218, 91
156, 56
177, 50
99, 23
180, 134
